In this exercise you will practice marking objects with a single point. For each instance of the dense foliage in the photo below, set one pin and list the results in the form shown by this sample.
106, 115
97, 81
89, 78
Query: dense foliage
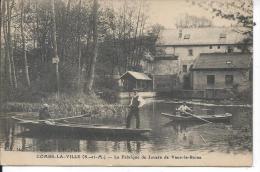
92, 42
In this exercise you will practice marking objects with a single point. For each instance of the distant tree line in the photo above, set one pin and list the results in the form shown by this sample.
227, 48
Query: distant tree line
189, 21
240, 11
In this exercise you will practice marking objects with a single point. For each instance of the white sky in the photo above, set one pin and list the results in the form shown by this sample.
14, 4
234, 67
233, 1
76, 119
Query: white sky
167, 12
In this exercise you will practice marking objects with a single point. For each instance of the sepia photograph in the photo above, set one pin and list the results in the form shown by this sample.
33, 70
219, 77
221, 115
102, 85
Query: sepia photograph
126, 82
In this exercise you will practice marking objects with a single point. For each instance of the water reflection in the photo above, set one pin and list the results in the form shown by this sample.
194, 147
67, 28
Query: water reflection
165, 136
133, 146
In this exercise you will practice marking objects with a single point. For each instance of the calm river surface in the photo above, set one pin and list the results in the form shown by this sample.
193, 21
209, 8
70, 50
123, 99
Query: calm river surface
165, 136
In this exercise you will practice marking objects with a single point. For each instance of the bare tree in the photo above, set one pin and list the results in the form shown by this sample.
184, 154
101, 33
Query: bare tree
26, 72
10, 76
79, 43
55, 51
1, 71
10, 41
95, 47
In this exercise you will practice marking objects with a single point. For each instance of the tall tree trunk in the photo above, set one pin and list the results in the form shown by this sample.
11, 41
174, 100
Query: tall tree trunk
26, 72
9, 10
95, 48
79, 45
141, 40
8, 68
55, 50
1, 71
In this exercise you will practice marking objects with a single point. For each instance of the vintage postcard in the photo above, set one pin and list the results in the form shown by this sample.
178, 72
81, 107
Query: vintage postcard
126, 82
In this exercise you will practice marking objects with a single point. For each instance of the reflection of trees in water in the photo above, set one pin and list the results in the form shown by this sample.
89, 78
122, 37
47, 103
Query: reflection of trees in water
9, 131
61, 145
45, 145
116, 146
133, 146
23, 143
68, 145
92, 146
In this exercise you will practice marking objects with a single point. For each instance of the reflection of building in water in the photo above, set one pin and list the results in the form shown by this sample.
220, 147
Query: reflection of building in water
185, 135
9, 131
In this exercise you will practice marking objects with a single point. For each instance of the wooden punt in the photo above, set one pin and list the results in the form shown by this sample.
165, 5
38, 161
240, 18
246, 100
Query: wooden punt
48, 126
212, 118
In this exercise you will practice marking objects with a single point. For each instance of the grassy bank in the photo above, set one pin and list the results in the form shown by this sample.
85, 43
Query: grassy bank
73, 105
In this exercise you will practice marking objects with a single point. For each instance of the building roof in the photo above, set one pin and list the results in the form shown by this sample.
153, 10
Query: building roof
136, 75
222, 61
201, 36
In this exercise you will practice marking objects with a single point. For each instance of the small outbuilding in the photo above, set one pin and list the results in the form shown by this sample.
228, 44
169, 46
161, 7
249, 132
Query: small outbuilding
136, 80
222, 71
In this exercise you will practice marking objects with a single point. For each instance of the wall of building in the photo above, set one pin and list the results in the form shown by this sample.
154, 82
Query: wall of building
165, 67
165, 83
184, 58
175, 67
183, 52
241, 78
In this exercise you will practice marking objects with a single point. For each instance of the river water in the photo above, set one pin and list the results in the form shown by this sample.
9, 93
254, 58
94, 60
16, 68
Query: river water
165, 135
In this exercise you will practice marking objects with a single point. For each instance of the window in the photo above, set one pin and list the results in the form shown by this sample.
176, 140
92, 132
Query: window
210, 47
190, 52
218, 46
229, 80
187, 36
230, 49
210, 80
180, 33
222, 35
184, 68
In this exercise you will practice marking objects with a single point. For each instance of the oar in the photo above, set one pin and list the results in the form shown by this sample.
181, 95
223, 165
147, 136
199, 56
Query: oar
198, 117
64, 118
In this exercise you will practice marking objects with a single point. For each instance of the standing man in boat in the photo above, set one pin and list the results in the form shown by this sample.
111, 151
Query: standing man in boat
44, 112
184, 109
136, 103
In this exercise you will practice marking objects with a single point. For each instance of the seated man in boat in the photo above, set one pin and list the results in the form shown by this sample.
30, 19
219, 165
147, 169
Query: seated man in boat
44, 112
136, 102
184, 109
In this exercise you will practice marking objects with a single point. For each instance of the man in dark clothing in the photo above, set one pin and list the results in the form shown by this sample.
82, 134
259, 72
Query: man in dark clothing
136, 103
44, 112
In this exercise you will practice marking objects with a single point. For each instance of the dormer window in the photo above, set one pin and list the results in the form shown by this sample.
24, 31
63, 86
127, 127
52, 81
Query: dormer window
222, 35
187, 36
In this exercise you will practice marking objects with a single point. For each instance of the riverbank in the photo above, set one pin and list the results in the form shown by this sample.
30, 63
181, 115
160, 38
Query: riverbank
72, 105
